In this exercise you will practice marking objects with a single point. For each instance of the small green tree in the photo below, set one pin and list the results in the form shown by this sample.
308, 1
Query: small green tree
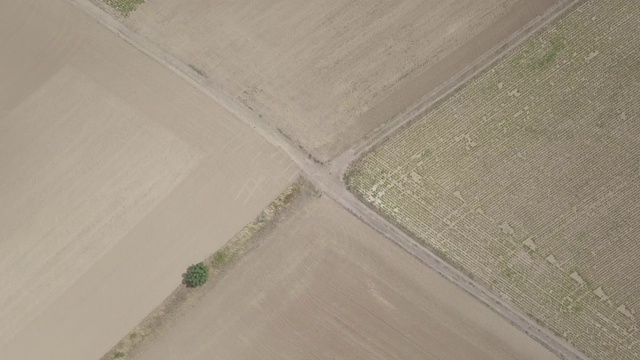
197, 274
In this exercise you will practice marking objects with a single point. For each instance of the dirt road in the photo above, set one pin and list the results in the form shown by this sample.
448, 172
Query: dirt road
324, 285
328, 178
112, 171
328, 74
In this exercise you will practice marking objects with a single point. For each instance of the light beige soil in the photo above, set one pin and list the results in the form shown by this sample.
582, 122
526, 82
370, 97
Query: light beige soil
328, 73
323, 285
116, 175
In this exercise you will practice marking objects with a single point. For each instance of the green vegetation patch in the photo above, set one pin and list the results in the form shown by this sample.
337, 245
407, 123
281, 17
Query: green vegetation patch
124, 7
521, 178
220, 258
197, 274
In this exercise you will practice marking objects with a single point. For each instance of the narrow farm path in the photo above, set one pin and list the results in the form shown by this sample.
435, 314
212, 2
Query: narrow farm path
328, 177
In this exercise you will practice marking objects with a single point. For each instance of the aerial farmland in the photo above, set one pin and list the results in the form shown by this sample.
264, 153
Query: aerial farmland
528, 178
437, 179
322, 284
327, 74
112, 170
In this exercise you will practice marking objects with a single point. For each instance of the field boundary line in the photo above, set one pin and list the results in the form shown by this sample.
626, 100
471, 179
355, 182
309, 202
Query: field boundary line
403, 238
341, 164
328, 178
99, 12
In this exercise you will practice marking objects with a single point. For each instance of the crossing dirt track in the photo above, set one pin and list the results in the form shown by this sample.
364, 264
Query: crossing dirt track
529, 178
328, 73
116, 175
323, 285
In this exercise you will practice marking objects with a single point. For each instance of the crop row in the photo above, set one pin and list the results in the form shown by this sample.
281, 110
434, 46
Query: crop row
528, 178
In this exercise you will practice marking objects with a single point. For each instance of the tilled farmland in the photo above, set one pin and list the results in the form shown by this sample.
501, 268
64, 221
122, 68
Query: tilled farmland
326, 74
528, 178
137, 137
343, 292
115, 176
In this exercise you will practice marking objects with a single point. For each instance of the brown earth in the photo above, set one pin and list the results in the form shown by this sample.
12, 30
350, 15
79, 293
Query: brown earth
527, 178
116, 175
329, 73
323, 285
116, 168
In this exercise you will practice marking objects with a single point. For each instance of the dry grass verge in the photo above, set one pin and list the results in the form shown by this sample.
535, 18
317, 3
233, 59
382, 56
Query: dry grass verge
124, 7
526, 178
223, 260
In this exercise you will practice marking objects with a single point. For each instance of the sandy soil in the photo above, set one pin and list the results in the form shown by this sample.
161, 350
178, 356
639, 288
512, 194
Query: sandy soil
116, 175
329, 73
323, 285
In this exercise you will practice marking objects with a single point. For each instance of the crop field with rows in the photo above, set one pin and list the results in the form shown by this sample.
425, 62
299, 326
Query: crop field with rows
528, 178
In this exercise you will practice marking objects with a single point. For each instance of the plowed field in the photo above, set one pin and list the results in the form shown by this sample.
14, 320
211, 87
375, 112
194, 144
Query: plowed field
116, 174
323, 285
327, 73
529, 178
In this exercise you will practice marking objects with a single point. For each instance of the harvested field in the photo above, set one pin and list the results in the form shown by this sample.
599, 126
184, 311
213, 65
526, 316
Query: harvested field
116, 175
529, 178
328, 73
323, 285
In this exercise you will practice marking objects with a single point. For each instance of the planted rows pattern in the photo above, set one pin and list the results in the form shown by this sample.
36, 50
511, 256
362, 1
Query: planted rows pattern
528, 178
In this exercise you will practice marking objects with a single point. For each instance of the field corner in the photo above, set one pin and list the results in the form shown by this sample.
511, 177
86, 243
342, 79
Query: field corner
219, 263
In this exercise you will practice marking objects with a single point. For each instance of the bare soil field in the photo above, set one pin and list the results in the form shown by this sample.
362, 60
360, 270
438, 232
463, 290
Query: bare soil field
328, 73
323, 285
116, 175
528, 178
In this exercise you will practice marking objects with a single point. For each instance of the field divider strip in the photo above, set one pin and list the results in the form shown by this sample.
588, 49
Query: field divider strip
344, 161
329, 178
230, 255
401, 237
